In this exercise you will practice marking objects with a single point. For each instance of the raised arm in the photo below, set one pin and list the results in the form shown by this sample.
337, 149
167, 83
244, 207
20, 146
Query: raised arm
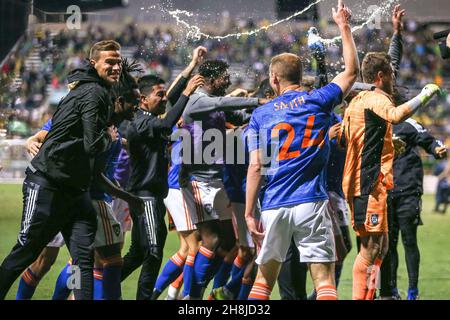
393, 114
207, 104
347, 78
150, 125
178, 85
396, 45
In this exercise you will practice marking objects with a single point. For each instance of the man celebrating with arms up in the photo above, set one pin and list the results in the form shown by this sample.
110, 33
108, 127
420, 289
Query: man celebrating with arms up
368, 172
295, 196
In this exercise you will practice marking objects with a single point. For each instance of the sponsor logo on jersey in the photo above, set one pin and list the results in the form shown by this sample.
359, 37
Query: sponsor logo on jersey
374, 219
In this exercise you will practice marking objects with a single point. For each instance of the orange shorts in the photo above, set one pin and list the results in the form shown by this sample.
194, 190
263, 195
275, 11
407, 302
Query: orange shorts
369, 212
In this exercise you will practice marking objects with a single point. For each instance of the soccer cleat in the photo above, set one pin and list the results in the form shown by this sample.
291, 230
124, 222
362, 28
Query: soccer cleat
222, 293
413, 294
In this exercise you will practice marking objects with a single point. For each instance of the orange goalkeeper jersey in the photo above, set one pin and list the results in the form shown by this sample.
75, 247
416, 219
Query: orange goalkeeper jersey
367, 130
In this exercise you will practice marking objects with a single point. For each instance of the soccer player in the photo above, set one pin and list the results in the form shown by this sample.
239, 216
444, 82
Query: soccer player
295, 197
55, 191
200, 177
368, 172
147, 137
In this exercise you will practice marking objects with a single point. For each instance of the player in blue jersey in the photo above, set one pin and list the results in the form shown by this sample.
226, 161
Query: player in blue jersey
295, 125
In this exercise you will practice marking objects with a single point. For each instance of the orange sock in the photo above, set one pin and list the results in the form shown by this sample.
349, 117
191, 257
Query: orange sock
260, 291
326, 293
178, 282
360, 276
372, 284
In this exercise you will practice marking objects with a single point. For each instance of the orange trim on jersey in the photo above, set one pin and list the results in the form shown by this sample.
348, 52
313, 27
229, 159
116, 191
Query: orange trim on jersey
190, 260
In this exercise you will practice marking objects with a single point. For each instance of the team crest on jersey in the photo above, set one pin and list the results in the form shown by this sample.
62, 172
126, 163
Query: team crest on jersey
208, 208
374, 219
116, 229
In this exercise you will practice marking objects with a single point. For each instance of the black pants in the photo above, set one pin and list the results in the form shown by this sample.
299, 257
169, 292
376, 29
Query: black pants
148, 237
404, 217
292, 277
48, 210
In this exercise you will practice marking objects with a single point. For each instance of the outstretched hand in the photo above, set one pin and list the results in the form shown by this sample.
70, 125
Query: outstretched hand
397, 18
342, 14
198, 55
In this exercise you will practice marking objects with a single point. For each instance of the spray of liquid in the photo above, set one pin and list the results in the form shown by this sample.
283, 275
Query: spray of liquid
194, 32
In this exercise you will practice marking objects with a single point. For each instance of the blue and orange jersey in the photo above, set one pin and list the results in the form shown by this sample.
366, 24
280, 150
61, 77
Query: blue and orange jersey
291, 132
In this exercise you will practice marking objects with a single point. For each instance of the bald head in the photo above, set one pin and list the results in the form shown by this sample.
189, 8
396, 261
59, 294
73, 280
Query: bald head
287, 67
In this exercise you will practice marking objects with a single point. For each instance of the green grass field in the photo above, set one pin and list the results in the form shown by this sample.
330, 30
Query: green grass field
434, 238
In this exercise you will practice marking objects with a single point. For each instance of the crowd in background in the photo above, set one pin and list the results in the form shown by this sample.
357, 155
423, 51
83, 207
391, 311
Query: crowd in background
161, 51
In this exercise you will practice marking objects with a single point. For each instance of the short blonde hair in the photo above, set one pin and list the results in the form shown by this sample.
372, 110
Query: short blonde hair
105, 45
288, 67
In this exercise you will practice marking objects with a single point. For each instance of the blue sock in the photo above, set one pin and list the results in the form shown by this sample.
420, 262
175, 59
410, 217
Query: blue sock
62, 292
222, 275
246, 287
202, 264
216, 264
27, 285
111, 282
98, 284
170, 272
337, 273
237, 272
188, 275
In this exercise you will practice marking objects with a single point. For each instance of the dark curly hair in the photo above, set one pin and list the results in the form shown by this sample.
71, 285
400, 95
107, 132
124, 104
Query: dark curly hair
213, 68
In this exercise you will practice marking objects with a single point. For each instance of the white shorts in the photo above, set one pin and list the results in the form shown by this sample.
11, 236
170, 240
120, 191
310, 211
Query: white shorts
240, 225
121, 212
57, 242
339, 208
179, 211
310, 226
209, 200
108, 228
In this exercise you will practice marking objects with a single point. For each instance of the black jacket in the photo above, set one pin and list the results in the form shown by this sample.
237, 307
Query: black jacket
148, 137
78, 132
408, 170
